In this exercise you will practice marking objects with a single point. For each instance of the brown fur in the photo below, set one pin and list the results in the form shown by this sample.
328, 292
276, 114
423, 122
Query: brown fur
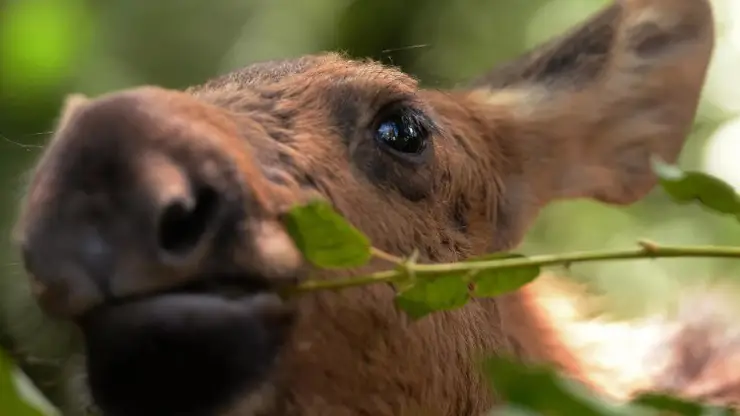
578, 117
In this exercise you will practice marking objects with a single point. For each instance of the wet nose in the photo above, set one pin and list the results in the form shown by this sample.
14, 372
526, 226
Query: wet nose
183, 213
109, 214
94, 251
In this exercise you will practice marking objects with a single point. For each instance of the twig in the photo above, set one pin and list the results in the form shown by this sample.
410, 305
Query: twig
376, 252
647, 250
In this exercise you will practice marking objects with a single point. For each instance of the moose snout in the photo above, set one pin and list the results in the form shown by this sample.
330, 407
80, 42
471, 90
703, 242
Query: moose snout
137, 197
94, 248
147, 225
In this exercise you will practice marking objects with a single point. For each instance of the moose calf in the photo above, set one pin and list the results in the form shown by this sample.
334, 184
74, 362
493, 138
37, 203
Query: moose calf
152, 219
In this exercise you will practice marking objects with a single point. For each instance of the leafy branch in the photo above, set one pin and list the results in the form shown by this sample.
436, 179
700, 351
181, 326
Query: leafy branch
478, 266
556, 395
11, 401
328, 241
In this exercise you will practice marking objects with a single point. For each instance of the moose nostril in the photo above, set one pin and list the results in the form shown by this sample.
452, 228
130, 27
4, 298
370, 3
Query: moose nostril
184, 223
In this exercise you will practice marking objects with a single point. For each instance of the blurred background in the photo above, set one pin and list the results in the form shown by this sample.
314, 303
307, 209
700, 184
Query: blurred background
49, 48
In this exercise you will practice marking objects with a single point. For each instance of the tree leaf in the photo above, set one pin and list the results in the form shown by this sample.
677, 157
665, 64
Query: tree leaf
11, 401
679, 406
510, 410
538, 388
452, 291
687, 186
325, 238
425, 296
489, 283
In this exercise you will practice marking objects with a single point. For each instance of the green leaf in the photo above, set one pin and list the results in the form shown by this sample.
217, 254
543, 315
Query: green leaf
451, 291
11, 401
687, 186
510, 410
425, 296
325, 238
679, 406
489, 283
537, 388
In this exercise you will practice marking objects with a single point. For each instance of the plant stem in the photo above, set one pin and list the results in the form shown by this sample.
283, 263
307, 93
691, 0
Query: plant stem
647, 250
386, 256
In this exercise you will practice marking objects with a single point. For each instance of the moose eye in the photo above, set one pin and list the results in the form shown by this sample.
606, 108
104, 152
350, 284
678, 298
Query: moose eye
402, 133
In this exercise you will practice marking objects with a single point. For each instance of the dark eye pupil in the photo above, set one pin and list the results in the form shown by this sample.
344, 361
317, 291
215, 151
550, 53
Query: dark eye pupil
402, 135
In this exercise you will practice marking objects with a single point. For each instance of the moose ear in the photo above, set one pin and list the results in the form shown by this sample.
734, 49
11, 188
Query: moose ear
581, 116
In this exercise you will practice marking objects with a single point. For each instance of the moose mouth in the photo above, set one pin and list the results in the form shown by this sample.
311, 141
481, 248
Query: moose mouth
185, 351
227, 286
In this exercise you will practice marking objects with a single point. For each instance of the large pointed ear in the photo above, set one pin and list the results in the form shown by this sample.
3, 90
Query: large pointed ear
582, 115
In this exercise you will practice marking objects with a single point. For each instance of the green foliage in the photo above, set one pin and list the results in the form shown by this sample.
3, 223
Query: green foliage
424, 296
527, 390
687, 186
325, 238
11, 401
679, 406
329, 241
540, 390
489, 283
428, 293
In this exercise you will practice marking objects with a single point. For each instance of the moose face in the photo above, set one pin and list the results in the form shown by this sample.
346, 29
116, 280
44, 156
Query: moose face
153, 216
